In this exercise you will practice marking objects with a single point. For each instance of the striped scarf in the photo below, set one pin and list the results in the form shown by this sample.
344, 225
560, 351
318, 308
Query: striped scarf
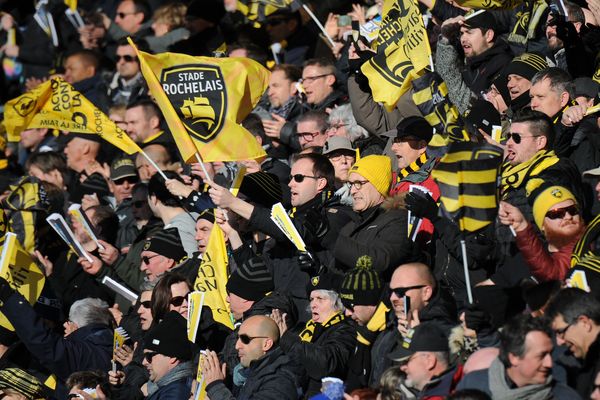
413, 167
514, 176
309, 330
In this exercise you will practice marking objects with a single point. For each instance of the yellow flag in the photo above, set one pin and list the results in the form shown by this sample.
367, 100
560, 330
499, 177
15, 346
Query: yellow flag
212, 277
490, 4
56, 105
21, 272
402, 53
260, 9
204, 100
72, 4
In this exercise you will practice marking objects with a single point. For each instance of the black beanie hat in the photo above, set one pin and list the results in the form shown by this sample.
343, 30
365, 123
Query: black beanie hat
326, 281
483, 115
251, 281
208, 214
527, 65
262, 188
167, 243
169, 337
362, 285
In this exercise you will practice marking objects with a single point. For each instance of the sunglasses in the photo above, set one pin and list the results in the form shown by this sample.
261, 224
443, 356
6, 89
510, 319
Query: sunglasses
146, 304
123, 15
516, 137
558, 213
127, 58
401, 291
177, 301
149, 356
300, 178
131, 179
146, 259
245, 339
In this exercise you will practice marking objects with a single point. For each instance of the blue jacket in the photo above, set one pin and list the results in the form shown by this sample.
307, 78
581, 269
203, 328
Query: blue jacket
88, 348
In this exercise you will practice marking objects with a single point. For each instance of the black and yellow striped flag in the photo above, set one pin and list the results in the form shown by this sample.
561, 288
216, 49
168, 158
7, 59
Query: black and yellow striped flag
430, 94
468, 180
259, 10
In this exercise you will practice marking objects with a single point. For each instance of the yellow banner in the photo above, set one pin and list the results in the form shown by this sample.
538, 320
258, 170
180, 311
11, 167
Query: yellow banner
490, 4
204, 100
21, 272
195, 304
56, 105
402, 53
212, 277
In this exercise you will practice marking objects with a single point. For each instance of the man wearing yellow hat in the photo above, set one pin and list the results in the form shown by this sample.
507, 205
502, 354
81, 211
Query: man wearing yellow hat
558, 217
377, 232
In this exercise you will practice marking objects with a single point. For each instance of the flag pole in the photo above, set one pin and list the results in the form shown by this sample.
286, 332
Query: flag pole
314, 18
154, 165
463, 248
199, 158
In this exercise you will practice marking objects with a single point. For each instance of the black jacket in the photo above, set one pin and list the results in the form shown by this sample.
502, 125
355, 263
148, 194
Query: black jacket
272, 377
441, 310
326, 355
380, 234
480, 70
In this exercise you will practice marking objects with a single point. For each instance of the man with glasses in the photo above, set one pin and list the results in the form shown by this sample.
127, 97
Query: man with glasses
319, 84
127, 83
413, 286
130, 20
161, 253
424, 357
123, 176
377, 232
168, 359
523, 369
264, 371
342, 156
311, 129
317, 215
575, 317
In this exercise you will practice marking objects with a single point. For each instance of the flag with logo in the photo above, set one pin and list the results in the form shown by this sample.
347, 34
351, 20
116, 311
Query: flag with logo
490, 4
468, 180
402, 52
259, 10
204, 100
212, 277
55, 104
21, 272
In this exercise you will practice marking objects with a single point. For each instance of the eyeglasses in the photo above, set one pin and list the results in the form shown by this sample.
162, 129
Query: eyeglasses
357, 184
557, 213
401, 291
245, 339
409, 359
146, 259
516, 137
127, 58
139, 203
313, 78
560, 333
149, 356
146, 304
308, 136
177, 301
123, 15
340, 157
299, 178
336, 127
131, 179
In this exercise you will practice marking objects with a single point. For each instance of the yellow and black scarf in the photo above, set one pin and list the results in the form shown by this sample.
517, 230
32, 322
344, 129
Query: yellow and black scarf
413, 167
528, 22
308, 333
375, 324
514, 176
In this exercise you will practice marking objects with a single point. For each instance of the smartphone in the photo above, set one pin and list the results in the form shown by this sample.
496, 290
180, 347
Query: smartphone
344, 20
406, 304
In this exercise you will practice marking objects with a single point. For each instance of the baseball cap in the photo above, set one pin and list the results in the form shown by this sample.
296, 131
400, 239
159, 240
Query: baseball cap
337, 143
122, 168
427, 336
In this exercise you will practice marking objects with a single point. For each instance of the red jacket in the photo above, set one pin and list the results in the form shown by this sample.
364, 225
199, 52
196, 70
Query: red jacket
544, 265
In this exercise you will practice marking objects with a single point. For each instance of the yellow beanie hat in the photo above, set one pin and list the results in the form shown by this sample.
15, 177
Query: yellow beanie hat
548, 198
377, 170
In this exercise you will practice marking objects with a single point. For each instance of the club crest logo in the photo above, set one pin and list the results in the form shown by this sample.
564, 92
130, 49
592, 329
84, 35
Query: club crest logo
198, 95
25, 106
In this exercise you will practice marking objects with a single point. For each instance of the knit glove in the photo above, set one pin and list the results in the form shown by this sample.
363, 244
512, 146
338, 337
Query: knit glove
308, 263
477, 319
422, 205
